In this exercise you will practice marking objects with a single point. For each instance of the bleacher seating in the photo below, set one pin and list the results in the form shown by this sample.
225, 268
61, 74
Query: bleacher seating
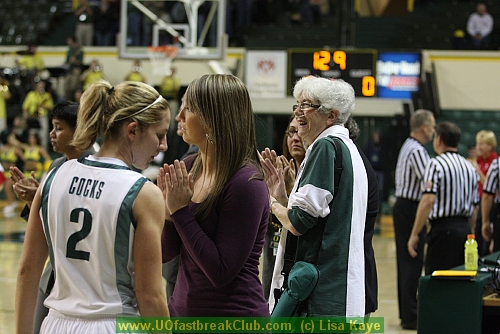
288, 35
428, 27
27, 21
284, 33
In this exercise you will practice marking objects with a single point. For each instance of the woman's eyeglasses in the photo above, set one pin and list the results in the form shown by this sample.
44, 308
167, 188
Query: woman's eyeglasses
305, 105
291, 132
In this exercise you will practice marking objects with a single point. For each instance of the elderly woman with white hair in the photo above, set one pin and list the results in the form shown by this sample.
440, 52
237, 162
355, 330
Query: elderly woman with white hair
330, 223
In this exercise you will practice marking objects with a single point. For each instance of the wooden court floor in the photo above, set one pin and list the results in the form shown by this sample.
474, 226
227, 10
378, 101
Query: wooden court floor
11, 245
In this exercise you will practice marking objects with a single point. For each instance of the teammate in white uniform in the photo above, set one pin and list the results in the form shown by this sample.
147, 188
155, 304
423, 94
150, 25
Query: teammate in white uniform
98, 220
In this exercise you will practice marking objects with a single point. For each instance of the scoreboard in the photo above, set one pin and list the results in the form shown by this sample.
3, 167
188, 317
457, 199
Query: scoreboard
356, 67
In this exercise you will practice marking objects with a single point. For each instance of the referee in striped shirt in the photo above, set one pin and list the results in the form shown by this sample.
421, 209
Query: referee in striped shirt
449, 200
410, 168
490, 188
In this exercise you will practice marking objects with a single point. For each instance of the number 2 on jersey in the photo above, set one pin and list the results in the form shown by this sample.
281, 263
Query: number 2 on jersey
71, 251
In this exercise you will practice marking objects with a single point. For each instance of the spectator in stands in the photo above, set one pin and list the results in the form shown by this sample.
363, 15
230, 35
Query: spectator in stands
18, 128
35, 156
480, 26
105, 19
74, 61
92, 74
136, 73
292, 8
30, 60
5, 94
244, 12
169, 89
31, 66
36, 107
310, 11
170, 85
134, 23
459, 41
9, 156
84, 30
147, 24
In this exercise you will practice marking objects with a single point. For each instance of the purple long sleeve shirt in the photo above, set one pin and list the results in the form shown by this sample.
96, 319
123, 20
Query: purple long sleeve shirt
219, 257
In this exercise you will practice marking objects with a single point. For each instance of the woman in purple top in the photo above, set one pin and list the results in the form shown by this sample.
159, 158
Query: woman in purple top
218, 204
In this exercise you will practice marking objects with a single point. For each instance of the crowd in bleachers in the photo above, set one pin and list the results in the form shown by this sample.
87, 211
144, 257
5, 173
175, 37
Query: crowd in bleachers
249, 23
28, 93
97, 22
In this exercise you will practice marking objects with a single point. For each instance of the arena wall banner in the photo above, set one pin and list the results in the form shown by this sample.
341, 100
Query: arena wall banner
265, 74
398, 74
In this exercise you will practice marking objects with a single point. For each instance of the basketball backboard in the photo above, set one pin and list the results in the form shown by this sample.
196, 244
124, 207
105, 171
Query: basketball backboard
196, 27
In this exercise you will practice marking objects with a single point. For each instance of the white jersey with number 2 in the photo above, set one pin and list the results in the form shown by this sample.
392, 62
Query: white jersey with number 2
86, 210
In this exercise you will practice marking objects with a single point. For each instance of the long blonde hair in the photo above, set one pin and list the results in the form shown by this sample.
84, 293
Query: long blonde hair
103, 108
223, 105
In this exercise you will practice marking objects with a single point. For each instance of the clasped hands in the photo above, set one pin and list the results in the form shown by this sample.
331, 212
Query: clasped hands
279, 175
24, 188
177, 186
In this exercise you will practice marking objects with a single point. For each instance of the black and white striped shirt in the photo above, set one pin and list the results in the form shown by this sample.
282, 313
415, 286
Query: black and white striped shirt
455, 182
491, 183
412, 160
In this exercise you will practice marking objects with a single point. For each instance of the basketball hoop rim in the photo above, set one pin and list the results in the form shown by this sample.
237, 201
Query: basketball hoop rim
161, 58
168, 50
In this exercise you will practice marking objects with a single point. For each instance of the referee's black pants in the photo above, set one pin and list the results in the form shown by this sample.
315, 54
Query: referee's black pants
409, 268
446, 242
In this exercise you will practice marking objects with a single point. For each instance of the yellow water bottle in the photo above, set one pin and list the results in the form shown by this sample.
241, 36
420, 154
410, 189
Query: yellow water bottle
470, 253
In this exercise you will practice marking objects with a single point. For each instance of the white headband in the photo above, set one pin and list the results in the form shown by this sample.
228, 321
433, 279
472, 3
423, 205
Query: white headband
143, 109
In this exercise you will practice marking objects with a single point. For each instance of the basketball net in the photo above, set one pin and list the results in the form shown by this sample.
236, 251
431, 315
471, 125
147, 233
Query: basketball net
161, 58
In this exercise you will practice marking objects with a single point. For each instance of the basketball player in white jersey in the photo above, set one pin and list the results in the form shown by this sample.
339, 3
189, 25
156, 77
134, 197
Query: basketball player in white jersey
98, 220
